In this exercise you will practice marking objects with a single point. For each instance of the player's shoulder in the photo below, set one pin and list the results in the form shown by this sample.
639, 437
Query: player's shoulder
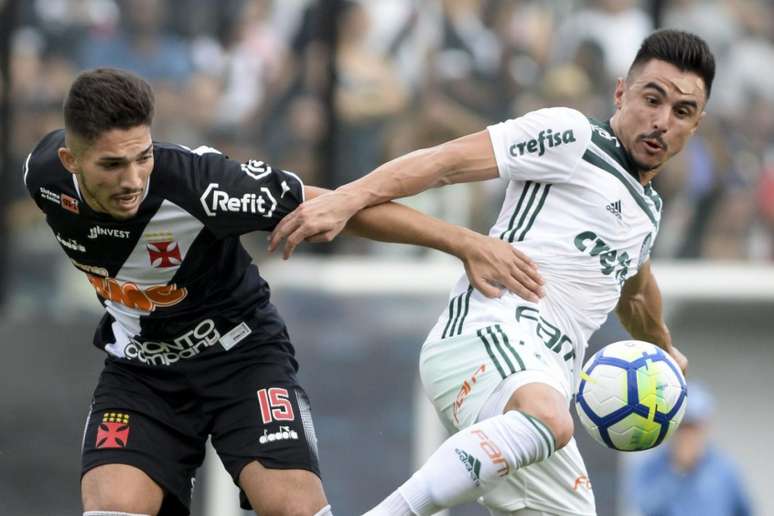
43, 170
575, 124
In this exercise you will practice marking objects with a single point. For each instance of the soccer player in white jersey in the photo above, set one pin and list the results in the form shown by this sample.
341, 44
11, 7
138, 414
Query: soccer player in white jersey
501, 372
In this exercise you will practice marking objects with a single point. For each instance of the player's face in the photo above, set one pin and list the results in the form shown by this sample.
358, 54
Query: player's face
659, 107
113, 171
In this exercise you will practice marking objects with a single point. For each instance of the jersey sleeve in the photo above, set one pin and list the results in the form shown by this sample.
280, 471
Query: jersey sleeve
543, 145
234, 198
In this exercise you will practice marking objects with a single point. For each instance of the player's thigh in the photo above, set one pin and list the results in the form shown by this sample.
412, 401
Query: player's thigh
280, 492
463, 375
558, 485
132, 423
121, 488
268, 419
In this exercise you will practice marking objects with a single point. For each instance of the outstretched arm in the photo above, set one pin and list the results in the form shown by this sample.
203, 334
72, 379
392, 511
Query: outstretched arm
470, 158
490, 264
640, 312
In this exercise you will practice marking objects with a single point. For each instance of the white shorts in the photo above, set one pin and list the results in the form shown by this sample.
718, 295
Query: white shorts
470, 377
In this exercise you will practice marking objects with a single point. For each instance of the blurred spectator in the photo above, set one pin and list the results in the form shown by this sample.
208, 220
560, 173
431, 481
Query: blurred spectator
368, 95
140, 44
617, 26
689, 476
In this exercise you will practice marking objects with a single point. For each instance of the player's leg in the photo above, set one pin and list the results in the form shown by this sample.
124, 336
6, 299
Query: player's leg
120, 488
263, 431
283, 492
140, 447
534, 423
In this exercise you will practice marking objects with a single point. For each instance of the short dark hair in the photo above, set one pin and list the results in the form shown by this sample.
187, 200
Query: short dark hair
686, 51
105, 98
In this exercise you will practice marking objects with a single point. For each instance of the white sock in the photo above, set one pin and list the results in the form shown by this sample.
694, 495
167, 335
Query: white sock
471, 462
325, 511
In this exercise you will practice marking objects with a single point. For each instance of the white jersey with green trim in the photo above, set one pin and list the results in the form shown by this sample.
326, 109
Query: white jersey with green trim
573, 204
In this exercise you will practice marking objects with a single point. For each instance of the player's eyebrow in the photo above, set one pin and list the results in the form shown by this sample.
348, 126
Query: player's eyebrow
123, 159
660, 89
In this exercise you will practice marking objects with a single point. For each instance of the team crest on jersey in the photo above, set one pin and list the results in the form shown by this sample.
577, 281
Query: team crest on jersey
164, 254
256, 169
113, 431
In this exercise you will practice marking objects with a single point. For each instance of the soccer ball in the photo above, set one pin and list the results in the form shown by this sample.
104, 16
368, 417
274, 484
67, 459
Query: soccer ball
632, 396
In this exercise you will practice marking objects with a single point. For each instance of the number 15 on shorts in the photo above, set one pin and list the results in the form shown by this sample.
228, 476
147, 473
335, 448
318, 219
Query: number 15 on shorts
275, 405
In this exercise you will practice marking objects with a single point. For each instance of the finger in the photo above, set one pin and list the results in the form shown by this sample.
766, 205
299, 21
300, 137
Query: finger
282, 230
529, 267
483, 286
528, 282
291, 243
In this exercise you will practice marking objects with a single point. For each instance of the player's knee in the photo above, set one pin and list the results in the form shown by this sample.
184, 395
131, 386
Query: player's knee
561, 425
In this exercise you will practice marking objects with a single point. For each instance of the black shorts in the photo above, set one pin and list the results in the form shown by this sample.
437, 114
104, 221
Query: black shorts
158, 418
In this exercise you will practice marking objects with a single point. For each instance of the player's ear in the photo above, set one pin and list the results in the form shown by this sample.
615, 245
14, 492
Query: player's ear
698, 121
620, 86
68, 159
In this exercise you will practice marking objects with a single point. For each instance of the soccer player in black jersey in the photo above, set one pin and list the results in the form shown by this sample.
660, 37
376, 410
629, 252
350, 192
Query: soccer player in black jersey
194, 346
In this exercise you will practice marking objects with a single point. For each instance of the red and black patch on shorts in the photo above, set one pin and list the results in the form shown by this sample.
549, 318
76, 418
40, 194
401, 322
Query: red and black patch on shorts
113, 431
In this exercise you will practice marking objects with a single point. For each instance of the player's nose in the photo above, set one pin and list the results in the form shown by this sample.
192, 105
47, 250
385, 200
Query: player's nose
133, 177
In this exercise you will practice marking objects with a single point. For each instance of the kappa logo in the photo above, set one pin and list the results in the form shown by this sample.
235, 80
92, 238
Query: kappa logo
214, 200
98, 231
113, 432
615, 209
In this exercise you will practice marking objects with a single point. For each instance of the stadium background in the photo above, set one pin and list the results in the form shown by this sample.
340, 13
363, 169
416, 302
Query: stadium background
329, 89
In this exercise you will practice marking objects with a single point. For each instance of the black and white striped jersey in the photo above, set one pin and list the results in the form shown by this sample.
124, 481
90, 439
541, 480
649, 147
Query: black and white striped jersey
174, 280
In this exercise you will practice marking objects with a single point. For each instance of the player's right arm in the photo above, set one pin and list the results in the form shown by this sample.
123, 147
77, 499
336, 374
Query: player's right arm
544, 145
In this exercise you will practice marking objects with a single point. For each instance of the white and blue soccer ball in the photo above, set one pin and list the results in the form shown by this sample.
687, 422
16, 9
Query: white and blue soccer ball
632, 396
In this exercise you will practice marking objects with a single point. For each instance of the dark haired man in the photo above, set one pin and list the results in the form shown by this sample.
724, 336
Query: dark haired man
579, 202
194, 347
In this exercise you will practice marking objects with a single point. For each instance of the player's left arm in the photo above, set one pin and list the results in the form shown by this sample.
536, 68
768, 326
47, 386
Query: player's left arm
640, 311
490, 264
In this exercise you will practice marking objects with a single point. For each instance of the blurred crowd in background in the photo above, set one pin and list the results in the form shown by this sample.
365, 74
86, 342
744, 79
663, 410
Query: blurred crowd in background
332, 88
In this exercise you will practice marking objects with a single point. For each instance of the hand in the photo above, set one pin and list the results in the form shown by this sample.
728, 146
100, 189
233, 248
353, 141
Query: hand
492, 264
681, 360
319, 219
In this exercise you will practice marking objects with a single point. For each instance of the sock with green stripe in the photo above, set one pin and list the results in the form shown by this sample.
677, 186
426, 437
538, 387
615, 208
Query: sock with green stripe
470, 463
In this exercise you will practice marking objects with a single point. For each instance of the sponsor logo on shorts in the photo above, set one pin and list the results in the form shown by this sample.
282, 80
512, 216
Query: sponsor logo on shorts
464, 392
284, 433
69, 203
132, 296
582, 482
188, 345
493, 452
215, 200
98, 231
113, 431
